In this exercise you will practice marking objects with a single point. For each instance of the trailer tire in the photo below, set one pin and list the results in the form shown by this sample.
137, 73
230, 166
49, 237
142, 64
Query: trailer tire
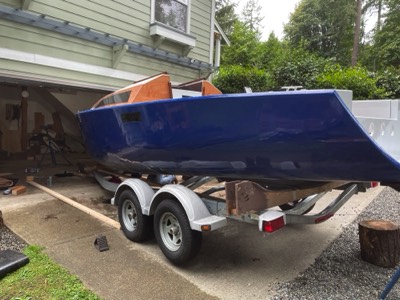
136, 226
176, 239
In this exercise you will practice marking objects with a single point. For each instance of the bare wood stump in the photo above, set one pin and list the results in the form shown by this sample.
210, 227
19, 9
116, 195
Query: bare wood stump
380, 242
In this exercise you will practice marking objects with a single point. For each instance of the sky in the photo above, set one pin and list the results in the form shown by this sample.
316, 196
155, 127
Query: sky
275, 13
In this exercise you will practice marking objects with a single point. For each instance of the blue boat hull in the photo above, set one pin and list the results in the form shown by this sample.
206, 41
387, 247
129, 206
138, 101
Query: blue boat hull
304, 136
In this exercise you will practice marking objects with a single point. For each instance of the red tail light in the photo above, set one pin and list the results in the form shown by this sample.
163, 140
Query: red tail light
273, 225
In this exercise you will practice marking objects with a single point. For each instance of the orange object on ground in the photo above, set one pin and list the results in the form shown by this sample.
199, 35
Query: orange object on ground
18, 189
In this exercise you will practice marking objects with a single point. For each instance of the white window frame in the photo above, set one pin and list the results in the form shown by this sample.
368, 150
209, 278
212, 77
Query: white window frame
162, 31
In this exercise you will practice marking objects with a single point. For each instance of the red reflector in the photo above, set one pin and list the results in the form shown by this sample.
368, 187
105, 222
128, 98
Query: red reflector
271, 226
374, 184
323, 218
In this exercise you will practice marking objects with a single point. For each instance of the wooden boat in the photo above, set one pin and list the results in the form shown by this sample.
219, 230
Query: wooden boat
282, 139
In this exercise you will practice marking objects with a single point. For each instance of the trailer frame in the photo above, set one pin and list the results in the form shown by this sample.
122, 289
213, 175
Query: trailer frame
177, 213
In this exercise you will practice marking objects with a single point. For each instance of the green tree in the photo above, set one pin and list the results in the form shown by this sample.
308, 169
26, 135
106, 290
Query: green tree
375, 5
244, 47
251, 15
270, 53
387, 40
357, 33
389, 80
323, 27
225, 15
367, 57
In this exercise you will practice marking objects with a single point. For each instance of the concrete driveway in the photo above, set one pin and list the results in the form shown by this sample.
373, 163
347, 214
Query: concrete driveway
235, 262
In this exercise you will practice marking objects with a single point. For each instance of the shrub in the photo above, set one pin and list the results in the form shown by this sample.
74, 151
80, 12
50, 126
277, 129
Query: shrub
233, 79
389, 80
298, 67
356, 79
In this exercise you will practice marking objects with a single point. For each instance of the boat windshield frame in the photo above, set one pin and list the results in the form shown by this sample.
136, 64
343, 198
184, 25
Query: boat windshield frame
117, 98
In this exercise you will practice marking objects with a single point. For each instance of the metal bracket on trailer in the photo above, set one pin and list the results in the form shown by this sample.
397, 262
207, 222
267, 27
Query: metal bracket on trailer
197, 181
272, 220
294, 217
105, 184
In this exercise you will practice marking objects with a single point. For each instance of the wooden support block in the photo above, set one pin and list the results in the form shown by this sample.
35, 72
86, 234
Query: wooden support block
380, 242
30, 178
230, 197
18, 189
245, 196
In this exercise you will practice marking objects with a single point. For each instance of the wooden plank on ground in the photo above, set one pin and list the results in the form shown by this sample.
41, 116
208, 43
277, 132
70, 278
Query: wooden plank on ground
77, 205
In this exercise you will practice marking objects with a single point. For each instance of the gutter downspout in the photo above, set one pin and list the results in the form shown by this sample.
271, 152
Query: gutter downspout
217, 51
212, 32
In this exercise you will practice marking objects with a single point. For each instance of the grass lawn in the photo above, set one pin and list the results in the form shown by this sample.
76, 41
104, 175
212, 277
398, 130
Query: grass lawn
42, 278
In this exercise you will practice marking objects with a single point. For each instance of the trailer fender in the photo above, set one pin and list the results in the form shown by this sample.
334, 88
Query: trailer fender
196, 211
142, 190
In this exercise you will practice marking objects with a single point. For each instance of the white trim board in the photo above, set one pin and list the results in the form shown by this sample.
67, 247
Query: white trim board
59, 63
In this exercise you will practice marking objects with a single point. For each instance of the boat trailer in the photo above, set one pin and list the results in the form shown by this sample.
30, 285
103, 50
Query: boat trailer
178, 213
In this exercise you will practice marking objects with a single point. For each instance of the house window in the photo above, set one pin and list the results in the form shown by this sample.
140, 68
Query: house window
170, 20
173, 13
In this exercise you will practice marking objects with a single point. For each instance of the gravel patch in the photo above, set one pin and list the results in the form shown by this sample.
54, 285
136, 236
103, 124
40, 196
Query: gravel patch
10, 241
339, 272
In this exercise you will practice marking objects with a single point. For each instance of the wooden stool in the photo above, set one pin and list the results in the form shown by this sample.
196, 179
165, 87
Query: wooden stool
380, 242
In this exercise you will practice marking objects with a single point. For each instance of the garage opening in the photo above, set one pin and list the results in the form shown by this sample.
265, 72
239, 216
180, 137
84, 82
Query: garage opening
34, 113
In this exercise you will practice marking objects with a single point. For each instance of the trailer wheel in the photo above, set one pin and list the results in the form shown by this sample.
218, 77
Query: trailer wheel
136, 226
176, 239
